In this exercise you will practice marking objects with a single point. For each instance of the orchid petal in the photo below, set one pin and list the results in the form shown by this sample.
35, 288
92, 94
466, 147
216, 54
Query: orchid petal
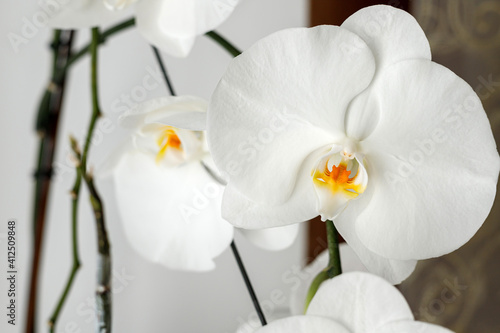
253, 324
176, 224
359, 301
392, 34
107, 167
432, 191
276, 122
273, 239
187, 112
349, 261
411, 327
77, 14
392, 270
246, 213
301, 324
173, 25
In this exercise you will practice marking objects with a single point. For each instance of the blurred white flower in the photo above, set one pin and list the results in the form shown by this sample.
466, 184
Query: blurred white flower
168, 198
355, 302
170, 25
356, 124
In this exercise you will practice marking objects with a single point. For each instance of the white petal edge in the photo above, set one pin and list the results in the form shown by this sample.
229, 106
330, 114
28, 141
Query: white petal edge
185, 112
302, 324
246, 213
173, 25
272, 239
78, 14
392, 270
171, 216
392, 34
359, 301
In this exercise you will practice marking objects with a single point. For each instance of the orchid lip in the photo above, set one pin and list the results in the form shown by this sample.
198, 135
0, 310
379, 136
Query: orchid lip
168, 139
338, 177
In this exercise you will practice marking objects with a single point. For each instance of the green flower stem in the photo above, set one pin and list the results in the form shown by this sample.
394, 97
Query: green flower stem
103, 290
75, 195
46, 124
334, 266
216, 37
102, 39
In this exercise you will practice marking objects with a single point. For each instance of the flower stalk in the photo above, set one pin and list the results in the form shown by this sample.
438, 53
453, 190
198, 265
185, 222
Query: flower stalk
334, 266
46, 125
58, 73
163, 70
223, 42
103, 37
75, 195
103, 288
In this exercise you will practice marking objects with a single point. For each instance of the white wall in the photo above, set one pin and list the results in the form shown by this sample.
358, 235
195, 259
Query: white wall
156, 299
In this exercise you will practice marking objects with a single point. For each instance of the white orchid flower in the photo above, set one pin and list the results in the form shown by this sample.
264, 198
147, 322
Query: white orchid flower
170, 25
168, 198
356, 124
355, 302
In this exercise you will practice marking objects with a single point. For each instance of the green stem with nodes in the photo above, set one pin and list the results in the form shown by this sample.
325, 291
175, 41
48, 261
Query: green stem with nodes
216, 37
75, 192
103, 290
45, 121
46, 125
334, 266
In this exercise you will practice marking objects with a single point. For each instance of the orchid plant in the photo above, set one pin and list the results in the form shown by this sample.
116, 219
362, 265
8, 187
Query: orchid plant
352, 123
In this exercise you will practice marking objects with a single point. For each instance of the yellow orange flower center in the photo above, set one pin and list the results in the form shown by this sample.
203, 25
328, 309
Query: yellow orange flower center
168, 139
339, 178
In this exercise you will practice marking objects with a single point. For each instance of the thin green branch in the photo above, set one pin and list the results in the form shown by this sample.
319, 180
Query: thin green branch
103, 290
334, 266
102, 39
219, 39
163, 68
75, 194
